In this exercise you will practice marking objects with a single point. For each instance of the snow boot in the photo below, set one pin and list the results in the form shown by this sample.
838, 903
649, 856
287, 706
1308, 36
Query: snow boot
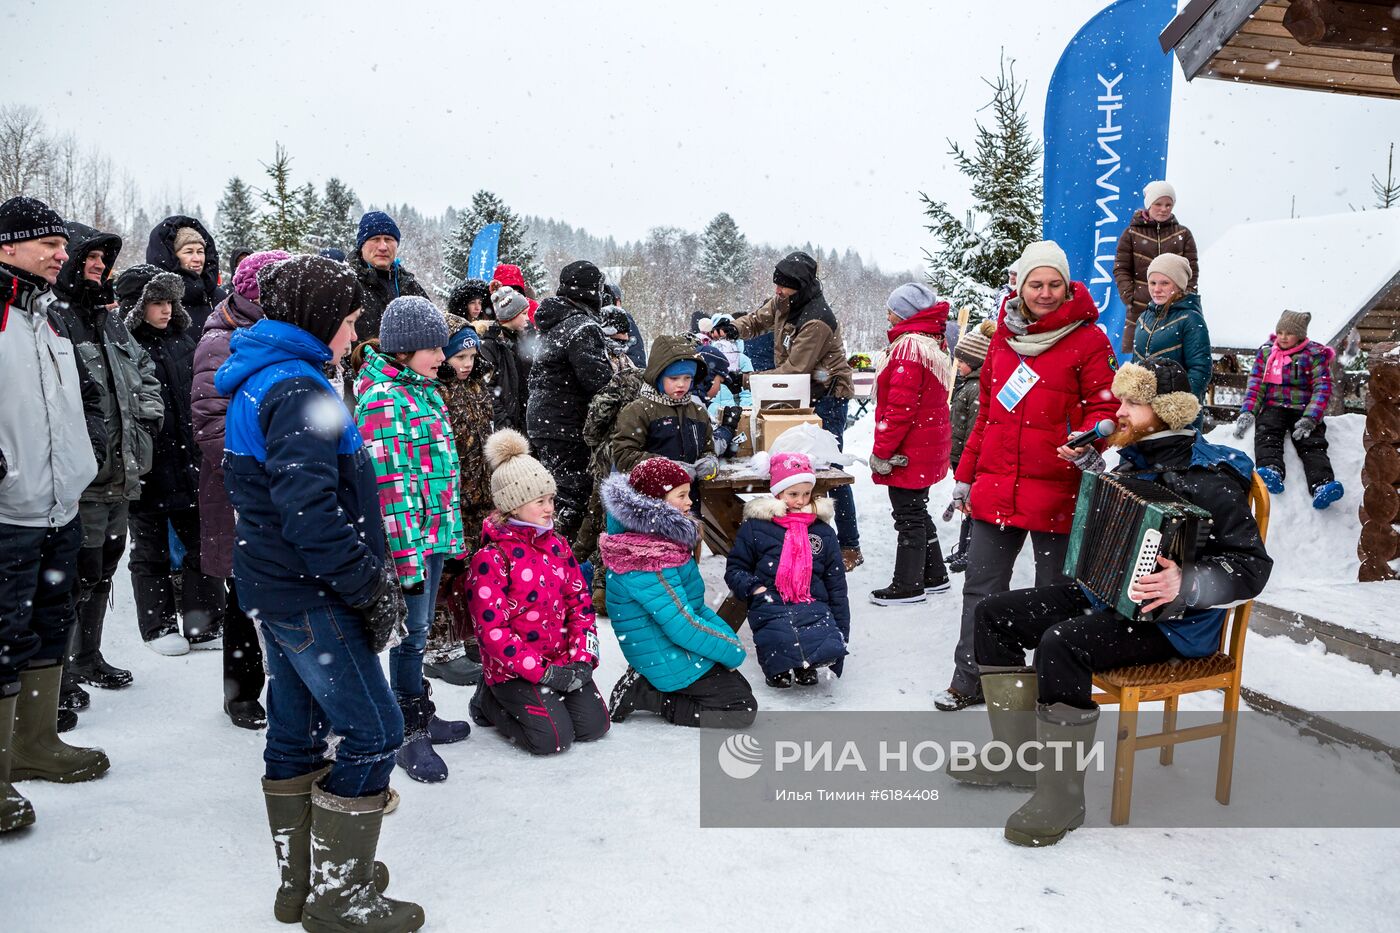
851, 558
37, 751
71, 695
1326, 494
1058, 803
85, 662
806, 676
910, 566
631, 693
950, 700
246, 714
15, 811
443, 731
896, 594
1273, 480
170, 644
474, 712
1010, 695
935, 570
67, 721
957, 563
416, 755
289, 817
344, 893
780, 681
460, 671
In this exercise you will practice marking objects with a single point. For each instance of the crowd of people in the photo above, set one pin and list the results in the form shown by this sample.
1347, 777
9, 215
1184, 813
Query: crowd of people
319, 464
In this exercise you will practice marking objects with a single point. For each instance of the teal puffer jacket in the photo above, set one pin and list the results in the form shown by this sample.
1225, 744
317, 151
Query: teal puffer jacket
656, 598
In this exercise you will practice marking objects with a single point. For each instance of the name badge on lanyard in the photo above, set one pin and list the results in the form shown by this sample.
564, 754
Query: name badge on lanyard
1018, 386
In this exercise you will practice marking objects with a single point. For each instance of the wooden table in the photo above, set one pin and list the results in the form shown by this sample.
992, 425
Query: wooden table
722, 512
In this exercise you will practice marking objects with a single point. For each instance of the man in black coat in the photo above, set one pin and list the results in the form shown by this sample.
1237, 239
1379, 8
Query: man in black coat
376, 264
181, 245
570, 368
1075, 634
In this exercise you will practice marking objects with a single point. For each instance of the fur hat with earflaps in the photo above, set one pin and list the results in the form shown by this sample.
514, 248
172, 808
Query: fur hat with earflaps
1161, 384
516, 477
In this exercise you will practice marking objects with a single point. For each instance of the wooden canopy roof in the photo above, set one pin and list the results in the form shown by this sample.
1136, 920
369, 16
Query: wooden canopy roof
1341, 46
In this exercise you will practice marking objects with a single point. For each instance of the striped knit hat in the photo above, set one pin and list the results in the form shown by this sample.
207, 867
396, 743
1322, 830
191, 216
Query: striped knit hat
973, 346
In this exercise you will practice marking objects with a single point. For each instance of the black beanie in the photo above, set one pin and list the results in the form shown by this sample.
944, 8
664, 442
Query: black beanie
312, 292
25, 218
583, 282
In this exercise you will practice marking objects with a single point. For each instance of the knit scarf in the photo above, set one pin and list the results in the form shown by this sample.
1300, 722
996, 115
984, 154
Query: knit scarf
1027, 344
794, 578
1278, 358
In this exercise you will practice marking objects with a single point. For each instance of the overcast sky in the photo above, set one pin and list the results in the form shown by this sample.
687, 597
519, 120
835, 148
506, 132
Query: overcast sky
812, 120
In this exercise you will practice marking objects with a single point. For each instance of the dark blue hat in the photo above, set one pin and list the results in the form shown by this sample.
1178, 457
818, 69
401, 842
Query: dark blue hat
376, 223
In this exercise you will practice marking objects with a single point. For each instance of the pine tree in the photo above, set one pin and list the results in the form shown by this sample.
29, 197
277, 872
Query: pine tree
516, 245
725, 262
340, 215
237, 218
282, 224
975, 251
312, 210
1388, 191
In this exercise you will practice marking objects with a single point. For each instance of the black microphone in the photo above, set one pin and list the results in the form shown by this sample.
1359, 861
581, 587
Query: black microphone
1098, 432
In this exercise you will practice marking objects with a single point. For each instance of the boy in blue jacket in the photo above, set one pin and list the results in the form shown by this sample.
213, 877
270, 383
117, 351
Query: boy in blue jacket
683, 657
311, 570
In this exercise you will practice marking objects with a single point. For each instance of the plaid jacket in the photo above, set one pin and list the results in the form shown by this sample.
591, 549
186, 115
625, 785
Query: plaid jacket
403, 420
1307, 381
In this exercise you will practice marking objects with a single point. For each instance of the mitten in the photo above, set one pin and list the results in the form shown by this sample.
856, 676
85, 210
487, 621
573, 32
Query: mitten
1243, 423
1305, 426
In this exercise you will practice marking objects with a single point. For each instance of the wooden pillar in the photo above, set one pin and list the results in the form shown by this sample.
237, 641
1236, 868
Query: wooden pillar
1380, 471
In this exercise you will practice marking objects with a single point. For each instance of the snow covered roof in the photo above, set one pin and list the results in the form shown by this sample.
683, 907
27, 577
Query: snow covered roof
1332, 267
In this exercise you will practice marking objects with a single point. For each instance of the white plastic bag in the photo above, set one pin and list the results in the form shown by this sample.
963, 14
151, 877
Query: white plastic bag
818, 444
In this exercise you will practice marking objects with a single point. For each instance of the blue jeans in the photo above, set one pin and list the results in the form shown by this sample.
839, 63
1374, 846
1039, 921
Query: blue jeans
832, 411
406, 658
323, 676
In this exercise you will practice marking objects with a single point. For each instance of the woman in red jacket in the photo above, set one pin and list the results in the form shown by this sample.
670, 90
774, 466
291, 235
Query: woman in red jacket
913, 437
1048, 374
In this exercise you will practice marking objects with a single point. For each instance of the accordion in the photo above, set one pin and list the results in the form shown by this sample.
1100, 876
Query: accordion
1121, 525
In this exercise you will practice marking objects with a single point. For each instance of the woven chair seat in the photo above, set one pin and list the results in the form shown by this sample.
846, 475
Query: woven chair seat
1141, 675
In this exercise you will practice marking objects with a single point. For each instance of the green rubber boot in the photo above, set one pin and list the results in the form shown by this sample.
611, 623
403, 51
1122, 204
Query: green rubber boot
37, 751
15, 811
344, 837
1011, 696
289, 817
1058, 803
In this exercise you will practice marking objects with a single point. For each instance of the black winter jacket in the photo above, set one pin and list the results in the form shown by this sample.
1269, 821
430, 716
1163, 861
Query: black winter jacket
507, 379
571, 366
380, 289
202, 292
173, 480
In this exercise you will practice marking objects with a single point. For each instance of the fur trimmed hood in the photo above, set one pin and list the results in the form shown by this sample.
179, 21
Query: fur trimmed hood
767, 508
646, 515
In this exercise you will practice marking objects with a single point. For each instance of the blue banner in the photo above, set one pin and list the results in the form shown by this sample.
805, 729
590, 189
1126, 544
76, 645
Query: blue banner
484, 247
1107, 114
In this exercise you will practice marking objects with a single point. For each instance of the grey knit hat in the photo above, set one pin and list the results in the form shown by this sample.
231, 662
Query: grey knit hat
1293, 322
412, 323
516, 477
910, 298
507, 303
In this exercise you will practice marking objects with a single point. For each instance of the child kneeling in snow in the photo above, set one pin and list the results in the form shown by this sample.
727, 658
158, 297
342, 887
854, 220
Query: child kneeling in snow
683, 657
532, 613
1288, 392
786, 563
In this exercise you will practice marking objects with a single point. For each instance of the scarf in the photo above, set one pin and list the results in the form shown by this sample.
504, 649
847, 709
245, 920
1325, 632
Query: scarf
1027, 344
794, 578
537, 529
1279, 358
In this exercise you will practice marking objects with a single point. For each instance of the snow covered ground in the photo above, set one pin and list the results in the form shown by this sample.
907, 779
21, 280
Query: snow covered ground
607, 838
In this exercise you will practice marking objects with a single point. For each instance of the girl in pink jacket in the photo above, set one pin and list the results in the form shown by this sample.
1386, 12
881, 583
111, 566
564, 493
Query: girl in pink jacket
532, 612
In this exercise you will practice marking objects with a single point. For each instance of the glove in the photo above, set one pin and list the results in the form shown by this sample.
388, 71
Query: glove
1090, 461
584, 671
1244, 422
707, 467
881, 466
962, 494
563, 678
1305, 426
688, 467
384, 612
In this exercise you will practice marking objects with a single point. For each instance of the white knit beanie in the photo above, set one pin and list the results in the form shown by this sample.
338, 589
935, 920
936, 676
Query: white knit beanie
1177, 268
1042, 253
1155, 190
516, 477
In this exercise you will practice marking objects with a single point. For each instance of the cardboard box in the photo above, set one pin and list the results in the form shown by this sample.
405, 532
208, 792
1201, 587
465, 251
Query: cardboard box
747, 428
772, 422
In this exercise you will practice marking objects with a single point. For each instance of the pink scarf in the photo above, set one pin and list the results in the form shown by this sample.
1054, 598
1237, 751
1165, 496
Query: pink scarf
795, 566
1278, 358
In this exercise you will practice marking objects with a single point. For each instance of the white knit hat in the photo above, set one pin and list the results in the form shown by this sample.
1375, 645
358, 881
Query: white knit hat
516, 477
1042, 253
1177, 268
1155, 190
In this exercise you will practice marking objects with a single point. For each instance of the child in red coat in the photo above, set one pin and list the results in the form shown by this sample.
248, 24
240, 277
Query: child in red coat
532, 612
913, 437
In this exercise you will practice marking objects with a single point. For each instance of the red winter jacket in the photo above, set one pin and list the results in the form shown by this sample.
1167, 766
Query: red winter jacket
911, 400
1017, 478
529, 603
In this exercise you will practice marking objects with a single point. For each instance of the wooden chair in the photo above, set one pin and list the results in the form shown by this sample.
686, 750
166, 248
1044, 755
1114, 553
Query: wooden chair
1130, 687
